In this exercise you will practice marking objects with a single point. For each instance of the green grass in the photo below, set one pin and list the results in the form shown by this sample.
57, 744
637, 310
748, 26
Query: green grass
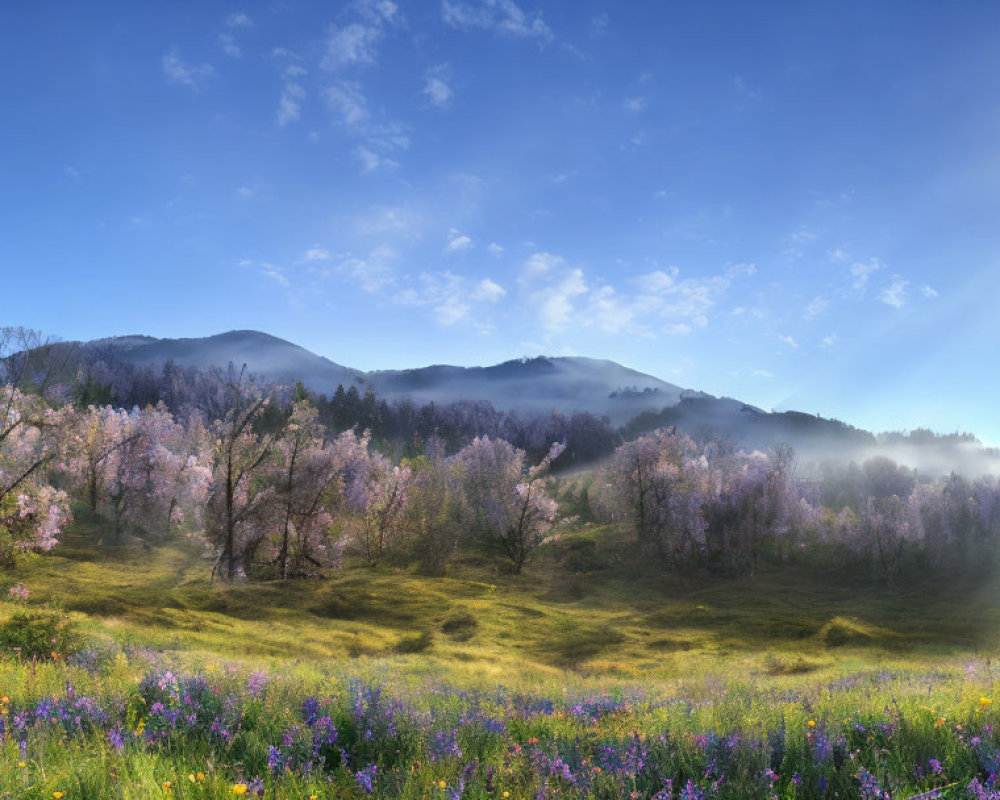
481, 622
685, 656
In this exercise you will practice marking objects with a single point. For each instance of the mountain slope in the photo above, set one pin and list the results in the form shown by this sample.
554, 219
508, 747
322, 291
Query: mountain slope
535, 385
266, 356
523, 385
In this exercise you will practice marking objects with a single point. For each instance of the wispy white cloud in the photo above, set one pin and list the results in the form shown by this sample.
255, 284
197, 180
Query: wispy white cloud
555, 303
537, 265
378, 11
495, 249
634, 104
371, 161
862, 272
659, 301
658, 281
740, 85
239, 20
452, 298
761, 373
390, 221
347, 101
316, 254
797, 242
373, 273
274, 273
501, 16
929, 292
895, 293
830, 340
437, 86
815, 307
743, 269
357, 42
228, 44
192, 75
488, 290
290, 103
353, 43
790, 341
457, 242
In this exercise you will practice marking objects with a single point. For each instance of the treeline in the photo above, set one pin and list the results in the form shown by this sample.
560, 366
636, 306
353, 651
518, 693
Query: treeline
399, 429
718, 508
275, 487
272, 495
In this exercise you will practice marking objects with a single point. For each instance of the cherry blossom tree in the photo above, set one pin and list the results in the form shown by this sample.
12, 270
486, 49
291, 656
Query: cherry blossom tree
750, 500
660, 481
377, 492
32, 513
507, 503
240, 511
308, 476
96, 434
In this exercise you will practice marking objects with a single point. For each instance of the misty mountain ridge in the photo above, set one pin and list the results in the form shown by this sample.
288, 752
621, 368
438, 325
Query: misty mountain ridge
633, 401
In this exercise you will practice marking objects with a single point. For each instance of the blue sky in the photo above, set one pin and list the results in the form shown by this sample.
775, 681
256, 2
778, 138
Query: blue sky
795, 204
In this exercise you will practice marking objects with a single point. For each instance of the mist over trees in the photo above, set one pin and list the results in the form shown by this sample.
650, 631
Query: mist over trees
276, 483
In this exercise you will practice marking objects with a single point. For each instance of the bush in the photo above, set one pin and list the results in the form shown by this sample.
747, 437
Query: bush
415, 644
39, 635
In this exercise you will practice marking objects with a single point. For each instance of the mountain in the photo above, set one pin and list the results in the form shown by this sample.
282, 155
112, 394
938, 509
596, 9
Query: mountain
632, 400
536, 385
525, 385
270, 358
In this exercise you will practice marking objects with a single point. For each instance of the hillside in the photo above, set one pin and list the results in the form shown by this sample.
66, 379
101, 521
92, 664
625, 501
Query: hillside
579, 607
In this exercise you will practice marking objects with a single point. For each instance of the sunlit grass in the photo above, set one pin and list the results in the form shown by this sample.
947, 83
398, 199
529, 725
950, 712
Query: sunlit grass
792, 650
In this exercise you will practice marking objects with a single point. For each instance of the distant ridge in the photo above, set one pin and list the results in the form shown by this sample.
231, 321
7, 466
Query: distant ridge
633, 401
529, 385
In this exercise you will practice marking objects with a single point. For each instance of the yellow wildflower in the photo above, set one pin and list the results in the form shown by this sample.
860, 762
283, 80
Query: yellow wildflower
240, 789
442, 784
59, 795
191, 777
811, 723
984, 701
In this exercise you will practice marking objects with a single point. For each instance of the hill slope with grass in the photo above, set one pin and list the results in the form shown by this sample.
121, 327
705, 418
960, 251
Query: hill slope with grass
580, 606
583, 677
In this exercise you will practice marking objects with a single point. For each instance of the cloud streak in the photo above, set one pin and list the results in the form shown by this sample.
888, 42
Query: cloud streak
503, 17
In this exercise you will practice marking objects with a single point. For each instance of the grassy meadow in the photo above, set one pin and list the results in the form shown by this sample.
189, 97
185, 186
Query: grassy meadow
578, 678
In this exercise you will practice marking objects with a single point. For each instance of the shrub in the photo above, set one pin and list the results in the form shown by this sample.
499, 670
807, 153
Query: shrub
39, 634
416, 643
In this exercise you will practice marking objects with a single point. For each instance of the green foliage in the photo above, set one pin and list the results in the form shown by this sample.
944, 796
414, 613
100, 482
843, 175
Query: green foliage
417, 643
39, 635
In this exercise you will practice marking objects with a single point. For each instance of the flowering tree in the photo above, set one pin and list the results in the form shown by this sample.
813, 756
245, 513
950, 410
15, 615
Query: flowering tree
32, 513
308, 477
507, 503
376, 491
751, 499
661, 480
240, 511
179, 476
